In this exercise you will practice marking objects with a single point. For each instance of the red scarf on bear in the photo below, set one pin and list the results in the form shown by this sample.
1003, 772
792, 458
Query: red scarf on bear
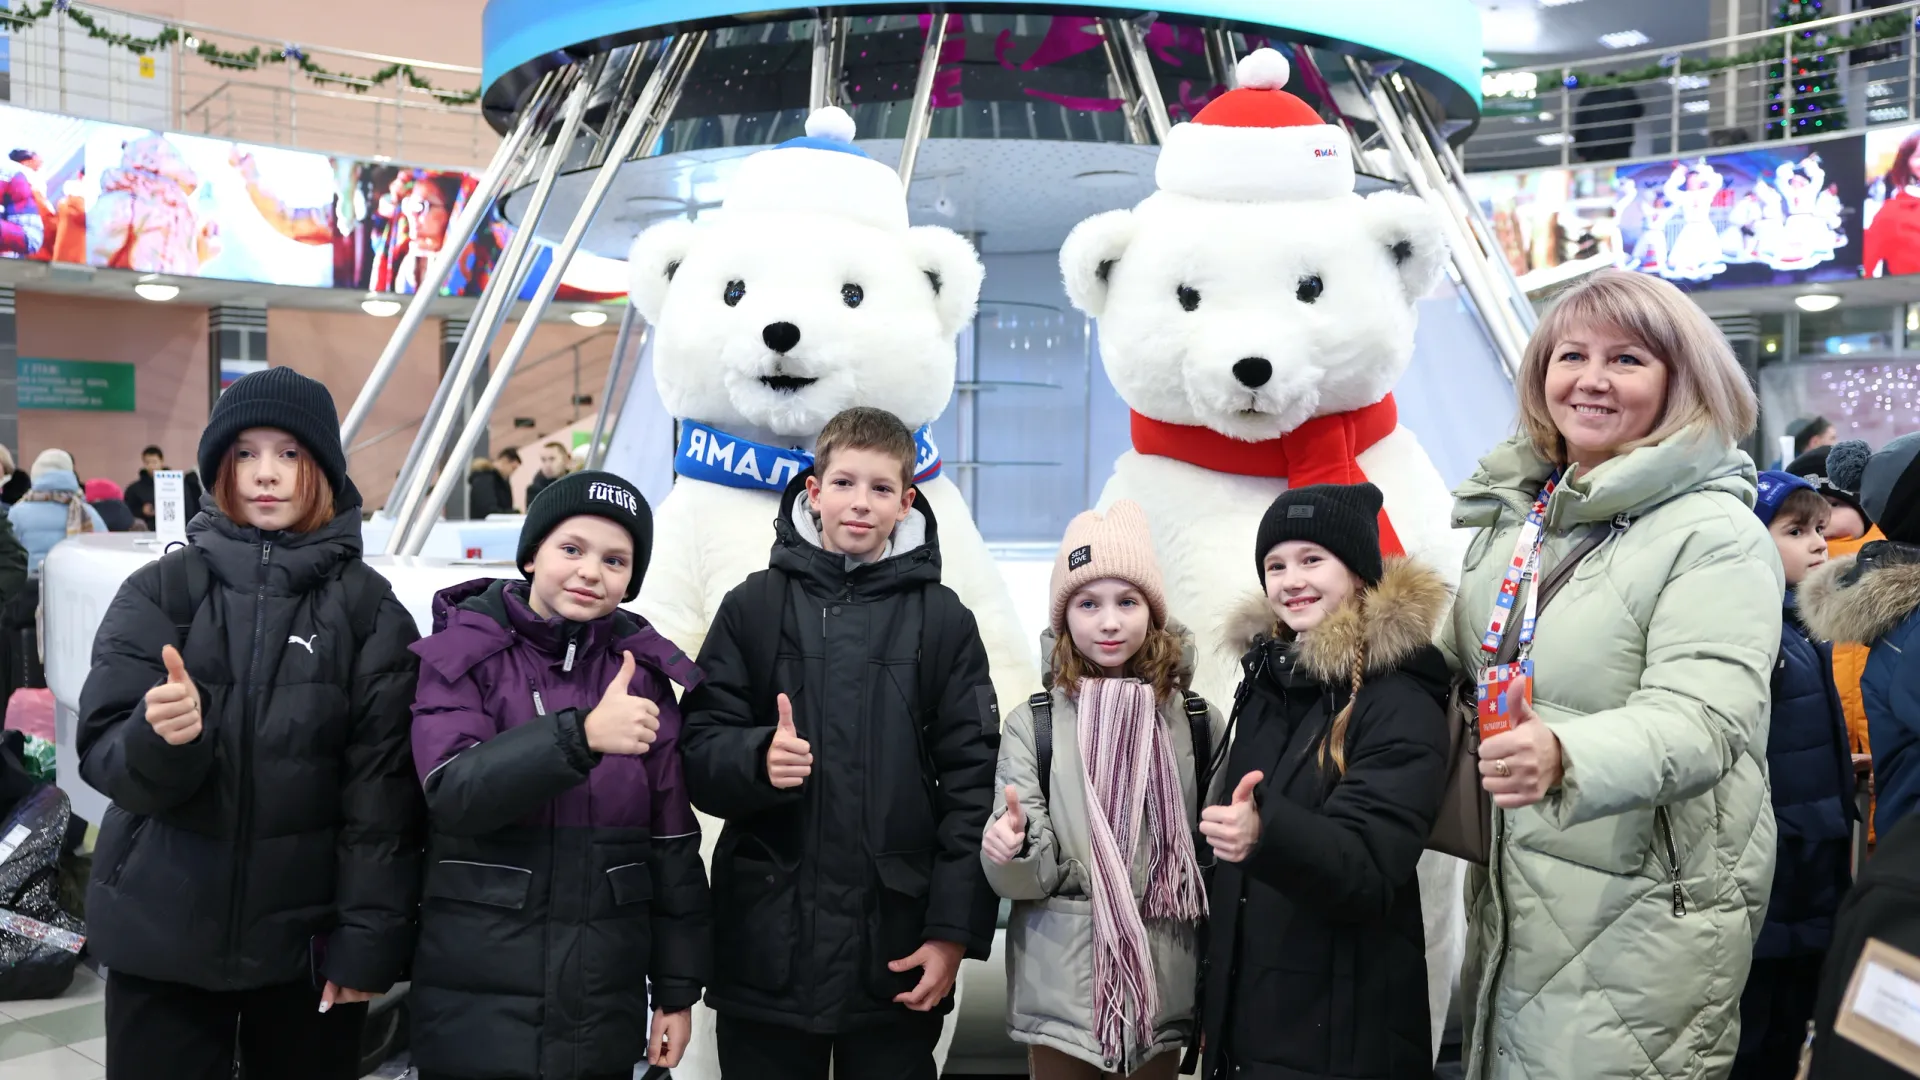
1324, 450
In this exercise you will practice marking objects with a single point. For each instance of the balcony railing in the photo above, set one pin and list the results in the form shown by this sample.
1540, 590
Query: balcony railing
230, 85
1793, 82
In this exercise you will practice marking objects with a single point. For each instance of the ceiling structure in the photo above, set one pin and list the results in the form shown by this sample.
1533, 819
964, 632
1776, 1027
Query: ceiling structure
1522, 33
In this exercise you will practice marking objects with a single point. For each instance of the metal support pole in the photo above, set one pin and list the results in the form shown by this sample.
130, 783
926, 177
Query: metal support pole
1566, 115
829, 43
1134, 45
921, 118
1220, 55
484, 326
1123, 88
1911, 24
643, 125
441, 265
1786, 86
1494, 316
596, 449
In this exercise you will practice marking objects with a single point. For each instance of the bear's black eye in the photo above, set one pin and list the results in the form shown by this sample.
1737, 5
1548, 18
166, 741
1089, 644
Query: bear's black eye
735, 291
1189, 297
851, 295
1310, 289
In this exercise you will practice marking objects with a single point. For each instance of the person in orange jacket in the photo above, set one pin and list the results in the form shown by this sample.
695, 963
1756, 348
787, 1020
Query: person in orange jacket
1848, 530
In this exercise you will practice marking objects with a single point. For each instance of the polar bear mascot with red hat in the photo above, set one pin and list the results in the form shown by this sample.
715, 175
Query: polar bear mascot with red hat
1255, 314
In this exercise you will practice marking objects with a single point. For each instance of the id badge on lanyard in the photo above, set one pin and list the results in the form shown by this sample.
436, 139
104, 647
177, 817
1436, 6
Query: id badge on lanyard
1502, 685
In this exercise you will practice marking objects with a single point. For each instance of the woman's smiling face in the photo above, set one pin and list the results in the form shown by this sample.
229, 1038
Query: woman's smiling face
1604, 390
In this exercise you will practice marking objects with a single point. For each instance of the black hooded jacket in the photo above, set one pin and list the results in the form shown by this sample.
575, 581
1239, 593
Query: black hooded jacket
289, 832
1316, 958
817, 888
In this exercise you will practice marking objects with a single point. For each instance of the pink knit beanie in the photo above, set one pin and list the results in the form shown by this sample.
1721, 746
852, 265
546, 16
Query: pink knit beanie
1117, 545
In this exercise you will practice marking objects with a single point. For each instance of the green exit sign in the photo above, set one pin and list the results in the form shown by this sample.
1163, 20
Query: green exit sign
85, 385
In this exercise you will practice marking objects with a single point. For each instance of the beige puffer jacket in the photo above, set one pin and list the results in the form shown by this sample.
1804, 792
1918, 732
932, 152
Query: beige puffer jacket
1050, 934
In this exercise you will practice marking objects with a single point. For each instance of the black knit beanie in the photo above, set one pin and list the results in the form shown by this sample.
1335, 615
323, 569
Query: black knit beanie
1889, 486
1815, 467
595, 494
279, 398
1343, 518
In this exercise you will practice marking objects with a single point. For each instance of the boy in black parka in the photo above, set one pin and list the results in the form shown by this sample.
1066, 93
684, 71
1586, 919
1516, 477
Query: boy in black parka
846, 732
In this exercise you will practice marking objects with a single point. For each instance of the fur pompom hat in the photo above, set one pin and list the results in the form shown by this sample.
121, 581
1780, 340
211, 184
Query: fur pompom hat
1118, 544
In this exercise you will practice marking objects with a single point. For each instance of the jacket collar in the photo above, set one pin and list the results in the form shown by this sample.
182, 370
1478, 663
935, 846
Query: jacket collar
797, 551
1511, 475
1397, 621
1860, 597
298, 562
478, 619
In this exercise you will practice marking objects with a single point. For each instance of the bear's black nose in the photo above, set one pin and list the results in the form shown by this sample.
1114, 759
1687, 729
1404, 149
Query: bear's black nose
1253, 372
781, 337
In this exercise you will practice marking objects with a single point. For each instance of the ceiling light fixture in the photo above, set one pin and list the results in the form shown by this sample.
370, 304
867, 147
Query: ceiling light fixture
1553, 138
1624, 39
156, 292
379, 308
1816, 302
1557, 3
589, 318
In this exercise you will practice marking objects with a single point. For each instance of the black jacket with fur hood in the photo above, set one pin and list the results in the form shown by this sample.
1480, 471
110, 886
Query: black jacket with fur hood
1316, 962
1873, 598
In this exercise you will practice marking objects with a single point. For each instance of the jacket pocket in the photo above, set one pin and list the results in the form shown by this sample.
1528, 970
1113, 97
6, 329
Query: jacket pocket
899, 924
758, 923
492, 884
125, 854
632, 883
1612, 845
1050, 972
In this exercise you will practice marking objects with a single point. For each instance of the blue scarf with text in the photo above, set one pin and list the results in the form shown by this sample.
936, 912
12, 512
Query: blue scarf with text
707, 453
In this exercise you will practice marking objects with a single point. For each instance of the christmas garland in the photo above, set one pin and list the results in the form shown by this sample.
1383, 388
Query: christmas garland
1873, 32
251, 60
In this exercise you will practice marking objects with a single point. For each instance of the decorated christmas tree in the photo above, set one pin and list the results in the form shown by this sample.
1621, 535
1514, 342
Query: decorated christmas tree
1806, 100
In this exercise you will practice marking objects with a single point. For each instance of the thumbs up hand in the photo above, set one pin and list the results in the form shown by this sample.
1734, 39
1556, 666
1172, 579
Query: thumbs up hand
623, 723
1520, 765
1234, 829
173, 707
789, 757
1008, 833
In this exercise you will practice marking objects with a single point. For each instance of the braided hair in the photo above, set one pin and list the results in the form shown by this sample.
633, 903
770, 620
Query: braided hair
1335, 744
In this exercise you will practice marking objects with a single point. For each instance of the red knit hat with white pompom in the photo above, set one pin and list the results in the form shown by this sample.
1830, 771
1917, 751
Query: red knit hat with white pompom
1257, 143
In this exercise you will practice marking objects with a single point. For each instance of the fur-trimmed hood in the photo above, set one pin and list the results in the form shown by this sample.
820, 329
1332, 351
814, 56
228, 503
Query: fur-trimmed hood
1400, 617
1860, 597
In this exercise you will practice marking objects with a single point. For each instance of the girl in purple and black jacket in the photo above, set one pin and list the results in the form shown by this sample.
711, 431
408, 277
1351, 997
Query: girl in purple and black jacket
564, 869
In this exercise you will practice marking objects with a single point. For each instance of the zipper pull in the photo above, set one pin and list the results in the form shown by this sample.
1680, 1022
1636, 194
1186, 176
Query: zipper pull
567, 665
1679, 901
539, 706
266, 551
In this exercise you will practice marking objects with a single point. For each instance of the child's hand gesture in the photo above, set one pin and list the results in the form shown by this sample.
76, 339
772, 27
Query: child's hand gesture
668, 1038
1234, 829
789, 757
173, 707
623, 723
1008, 833
939, 964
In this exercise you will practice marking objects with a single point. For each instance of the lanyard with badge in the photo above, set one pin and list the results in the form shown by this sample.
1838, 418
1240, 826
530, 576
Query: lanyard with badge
1497, 680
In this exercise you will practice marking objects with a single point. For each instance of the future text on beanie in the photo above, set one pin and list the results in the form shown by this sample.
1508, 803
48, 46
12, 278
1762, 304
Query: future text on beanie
593, 494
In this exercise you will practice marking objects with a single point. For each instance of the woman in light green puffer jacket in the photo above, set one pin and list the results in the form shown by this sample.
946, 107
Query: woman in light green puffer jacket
1612, 933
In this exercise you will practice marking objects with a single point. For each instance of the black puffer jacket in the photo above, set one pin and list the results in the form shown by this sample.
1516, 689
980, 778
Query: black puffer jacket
1316, 961
296, 815
817, 888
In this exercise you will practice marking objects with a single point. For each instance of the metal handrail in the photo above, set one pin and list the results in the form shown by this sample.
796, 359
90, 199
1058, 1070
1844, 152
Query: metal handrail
1685, 113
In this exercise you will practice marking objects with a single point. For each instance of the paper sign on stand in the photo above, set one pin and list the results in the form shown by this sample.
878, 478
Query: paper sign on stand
170, 507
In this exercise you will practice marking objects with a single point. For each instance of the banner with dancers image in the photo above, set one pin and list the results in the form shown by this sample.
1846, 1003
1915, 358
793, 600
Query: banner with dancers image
1776, 216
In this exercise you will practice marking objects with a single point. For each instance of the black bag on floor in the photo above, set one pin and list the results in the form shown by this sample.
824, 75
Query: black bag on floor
35, 929
1885, 906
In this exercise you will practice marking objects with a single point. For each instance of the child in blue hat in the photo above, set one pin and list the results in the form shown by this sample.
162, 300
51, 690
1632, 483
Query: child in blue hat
1809, 761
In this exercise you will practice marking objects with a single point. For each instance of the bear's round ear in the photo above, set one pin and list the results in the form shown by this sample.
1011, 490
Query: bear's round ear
656, 254
952, 270
1087, 258
1406, 229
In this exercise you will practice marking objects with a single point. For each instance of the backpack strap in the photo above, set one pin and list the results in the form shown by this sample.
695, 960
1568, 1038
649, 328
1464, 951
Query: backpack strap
369, 588
184, 583
762, 641
1041, 705
1201, 730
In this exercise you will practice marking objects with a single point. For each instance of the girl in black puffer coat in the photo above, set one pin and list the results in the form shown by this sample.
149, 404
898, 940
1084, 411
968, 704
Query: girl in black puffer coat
248, 714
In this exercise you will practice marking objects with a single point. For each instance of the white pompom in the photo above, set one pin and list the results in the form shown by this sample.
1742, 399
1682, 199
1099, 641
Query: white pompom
1263, 69
833, 124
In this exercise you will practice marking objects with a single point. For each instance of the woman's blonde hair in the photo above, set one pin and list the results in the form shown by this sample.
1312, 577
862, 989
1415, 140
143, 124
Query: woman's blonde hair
1157, 664
1705, 383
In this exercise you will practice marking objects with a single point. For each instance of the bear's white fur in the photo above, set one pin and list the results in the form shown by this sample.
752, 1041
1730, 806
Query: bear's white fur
894, 351
1246, 261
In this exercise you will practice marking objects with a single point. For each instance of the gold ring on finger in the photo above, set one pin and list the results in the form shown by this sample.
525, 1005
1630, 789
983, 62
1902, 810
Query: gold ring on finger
1500, 766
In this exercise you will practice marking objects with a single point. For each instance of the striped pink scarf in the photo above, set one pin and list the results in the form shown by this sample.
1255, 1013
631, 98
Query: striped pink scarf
1132, 780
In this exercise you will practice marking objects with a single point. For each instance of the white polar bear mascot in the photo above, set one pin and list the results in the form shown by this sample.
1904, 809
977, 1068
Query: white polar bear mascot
808, 295
1254, 314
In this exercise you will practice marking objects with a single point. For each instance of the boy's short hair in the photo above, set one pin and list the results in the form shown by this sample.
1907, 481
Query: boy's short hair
866, 428
565, 451
154, 451
511, 454
1805, 508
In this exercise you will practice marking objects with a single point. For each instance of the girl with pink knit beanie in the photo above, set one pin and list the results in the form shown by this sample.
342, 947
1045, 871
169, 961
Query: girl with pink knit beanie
1101, 778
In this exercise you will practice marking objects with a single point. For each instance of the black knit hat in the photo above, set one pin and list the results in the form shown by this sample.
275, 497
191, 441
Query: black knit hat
595, 494
1343, 518
1814, 467
286, 400
1889, 486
